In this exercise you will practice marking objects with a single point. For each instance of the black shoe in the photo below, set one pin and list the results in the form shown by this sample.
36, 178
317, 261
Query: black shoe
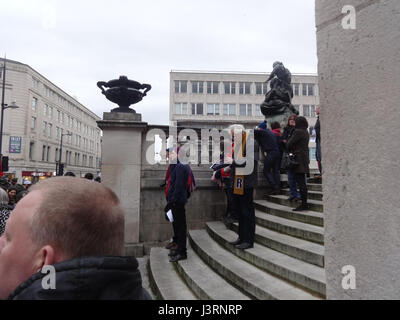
244, 246
173, 253
234, 243
178, 257
302, 208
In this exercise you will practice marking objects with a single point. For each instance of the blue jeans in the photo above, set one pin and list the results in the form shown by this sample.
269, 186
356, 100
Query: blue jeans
292, 185
271, 169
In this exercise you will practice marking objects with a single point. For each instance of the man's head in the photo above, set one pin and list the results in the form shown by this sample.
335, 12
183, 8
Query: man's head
12, 192
60, 219
317, 110
89, 176
14, 181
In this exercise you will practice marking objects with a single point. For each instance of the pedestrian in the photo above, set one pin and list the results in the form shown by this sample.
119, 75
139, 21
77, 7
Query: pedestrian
287, 134
12, 196
80, 237
269, 145
5, 210
318, 155
27, 184
177, 199
298, 145
89, 176
243, 183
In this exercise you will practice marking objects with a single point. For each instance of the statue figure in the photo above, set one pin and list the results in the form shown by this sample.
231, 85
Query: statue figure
124, 92
278, 100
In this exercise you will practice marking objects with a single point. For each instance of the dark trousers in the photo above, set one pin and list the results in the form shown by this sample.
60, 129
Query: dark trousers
230, 210
300, 179
272, 169
180, 228
246, 215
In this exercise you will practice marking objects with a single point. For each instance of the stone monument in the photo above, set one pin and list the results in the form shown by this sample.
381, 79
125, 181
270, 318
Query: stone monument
121, 152
277, 105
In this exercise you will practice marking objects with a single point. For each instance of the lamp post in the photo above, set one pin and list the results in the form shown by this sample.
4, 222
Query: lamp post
3, 107
60, 170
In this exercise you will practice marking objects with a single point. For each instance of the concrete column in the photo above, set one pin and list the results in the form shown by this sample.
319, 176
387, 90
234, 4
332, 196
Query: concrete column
121, 165
359, 76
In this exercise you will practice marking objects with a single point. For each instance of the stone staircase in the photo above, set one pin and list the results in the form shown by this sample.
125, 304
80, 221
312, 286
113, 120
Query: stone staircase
286, 263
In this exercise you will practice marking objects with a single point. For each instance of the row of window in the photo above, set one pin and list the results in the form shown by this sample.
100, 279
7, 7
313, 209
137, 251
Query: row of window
214, 87
87, 161
231, 109
63, 118
51, 94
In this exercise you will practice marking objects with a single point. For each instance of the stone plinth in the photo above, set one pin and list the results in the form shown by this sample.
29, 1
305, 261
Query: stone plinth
359, 76
121, 164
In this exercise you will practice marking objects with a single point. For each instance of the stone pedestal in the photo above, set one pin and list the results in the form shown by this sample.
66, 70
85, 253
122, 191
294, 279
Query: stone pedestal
359, 76
121, 165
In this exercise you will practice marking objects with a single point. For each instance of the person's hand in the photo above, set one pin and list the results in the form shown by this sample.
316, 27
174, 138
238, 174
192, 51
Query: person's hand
228, 160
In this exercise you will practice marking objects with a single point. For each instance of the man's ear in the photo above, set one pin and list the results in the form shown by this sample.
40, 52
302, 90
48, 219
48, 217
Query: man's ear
45, 256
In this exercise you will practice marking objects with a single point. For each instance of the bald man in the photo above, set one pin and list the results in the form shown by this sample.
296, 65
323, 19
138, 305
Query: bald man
77, 228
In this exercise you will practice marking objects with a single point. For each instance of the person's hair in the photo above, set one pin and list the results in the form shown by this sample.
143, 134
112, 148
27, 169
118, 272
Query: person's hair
12, 188
291, 117
89, 176
78, 217
3, 197
301, 123
14, 180
69, 174
21, 194
275, 125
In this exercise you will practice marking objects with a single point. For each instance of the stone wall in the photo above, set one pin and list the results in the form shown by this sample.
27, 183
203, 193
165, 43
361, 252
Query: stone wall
359, 76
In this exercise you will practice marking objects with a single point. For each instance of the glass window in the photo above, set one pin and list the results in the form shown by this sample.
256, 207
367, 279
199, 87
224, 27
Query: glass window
296, 87
197, 108
261, 88
244, 87
230, 87
312, 111
44, 152
226, 109
33, 123
258, 110
49, 127
304, 86
242, 109
180, 86
249, 110
213, 109
212, 87
197, 87
45, 109
245, 110
31, 150
34, 104
306, 110
232, 109
44, 128
310, 89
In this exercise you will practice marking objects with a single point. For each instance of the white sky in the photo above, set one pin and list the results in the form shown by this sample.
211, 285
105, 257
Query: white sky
77, 43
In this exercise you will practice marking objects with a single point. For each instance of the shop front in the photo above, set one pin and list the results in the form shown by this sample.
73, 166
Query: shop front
36, 176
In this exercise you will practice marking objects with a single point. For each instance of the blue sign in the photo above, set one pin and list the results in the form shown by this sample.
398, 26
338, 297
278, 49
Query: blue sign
15, 144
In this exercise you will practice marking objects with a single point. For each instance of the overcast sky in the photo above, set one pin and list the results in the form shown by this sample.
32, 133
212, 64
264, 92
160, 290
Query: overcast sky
77, 43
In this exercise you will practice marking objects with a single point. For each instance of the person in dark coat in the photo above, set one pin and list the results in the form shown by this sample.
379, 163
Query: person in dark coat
298, 145
318, 155
65, 240
287, 134
269, 144
243, 190
5, 210
177, 199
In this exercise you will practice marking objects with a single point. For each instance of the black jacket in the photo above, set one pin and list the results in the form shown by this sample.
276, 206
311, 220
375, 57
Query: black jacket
88, 278
267, 140
177, 192
298, 144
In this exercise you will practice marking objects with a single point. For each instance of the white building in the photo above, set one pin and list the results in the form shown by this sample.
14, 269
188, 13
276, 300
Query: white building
32, 133
209, 99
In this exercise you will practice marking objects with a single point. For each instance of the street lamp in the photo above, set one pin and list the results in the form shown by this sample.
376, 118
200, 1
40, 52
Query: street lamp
60, 166
3, 107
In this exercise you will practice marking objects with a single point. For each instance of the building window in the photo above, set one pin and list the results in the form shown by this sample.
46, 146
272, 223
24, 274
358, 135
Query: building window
44, 152
56, 156
180, 108
261, 88
45, 110
48, 154
31, 150
304, 92
33, 123
35, 83
50, 112
296, 89
34, 104
180, 86
230, 87
245, 110
44, 128
229, 109
197, 87
49, 127
212, 87
258, 110
213, 109
244, 87
197, 108
309, 111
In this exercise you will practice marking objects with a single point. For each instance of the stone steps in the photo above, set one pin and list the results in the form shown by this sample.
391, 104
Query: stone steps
315, 205
300, 273
253, 281
292, 228
303, 250
204, 282
310, 217
164, 280
314, 187
312, 195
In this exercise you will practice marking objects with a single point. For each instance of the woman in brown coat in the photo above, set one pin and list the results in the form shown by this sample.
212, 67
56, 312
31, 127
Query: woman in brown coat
298, 145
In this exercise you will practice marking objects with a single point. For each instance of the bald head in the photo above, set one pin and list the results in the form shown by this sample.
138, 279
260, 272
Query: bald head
78, 217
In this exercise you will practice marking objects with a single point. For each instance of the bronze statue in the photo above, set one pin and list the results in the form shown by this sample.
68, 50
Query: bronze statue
278, 100
123, 92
